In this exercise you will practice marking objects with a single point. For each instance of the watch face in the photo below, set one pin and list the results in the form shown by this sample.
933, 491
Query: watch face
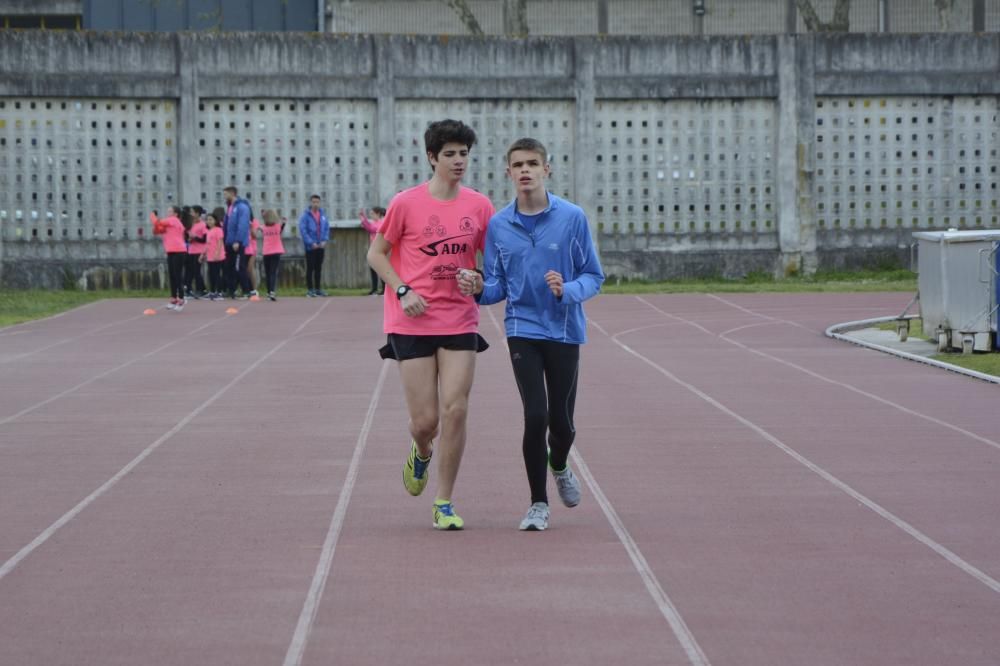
402, 290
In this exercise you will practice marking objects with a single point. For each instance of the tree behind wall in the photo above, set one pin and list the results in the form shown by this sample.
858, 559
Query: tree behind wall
515, 17
465, 15
841, 17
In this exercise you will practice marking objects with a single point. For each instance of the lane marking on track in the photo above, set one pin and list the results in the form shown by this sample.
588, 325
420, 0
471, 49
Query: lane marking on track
27, 410
46, 534
307, 617
667, 609
67, 340
14, 329
816, 375
879, 510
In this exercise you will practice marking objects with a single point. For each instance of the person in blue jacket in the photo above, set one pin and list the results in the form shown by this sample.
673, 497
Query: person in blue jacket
539, 256
236, 230
314, 228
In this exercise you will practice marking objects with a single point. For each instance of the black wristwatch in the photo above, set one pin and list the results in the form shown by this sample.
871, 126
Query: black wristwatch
402, 290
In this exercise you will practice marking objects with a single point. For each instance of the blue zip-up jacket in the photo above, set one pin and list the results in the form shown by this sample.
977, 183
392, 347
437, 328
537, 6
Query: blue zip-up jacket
236, 225
515, 263
307, 228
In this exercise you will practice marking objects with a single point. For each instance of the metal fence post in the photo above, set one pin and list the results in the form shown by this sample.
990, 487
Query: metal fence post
602, 17
978, 15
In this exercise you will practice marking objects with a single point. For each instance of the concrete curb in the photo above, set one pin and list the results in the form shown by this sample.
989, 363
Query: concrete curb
837, 332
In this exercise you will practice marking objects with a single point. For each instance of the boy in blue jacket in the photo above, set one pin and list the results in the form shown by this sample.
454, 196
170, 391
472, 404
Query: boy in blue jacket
314, 228
539, 256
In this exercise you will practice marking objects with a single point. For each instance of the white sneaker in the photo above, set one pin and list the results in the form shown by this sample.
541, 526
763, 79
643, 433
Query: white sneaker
537, 518
172, 305
568, 486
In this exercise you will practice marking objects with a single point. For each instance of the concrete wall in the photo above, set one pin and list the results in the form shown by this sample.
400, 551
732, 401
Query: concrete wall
692, 156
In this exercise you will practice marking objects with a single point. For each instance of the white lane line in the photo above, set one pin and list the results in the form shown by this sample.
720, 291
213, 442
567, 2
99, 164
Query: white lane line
881, 511
297, 648
28, 410
13, 329
695, 654
9, 565
844, 385
62, 342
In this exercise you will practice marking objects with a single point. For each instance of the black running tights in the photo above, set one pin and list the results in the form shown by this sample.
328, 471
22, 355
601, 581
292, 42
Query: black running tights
175, 271
546, 374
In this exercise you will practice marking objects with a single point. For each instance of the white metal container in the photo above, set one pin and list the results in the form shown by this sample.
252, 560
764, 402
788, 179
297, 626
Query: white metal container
958, 287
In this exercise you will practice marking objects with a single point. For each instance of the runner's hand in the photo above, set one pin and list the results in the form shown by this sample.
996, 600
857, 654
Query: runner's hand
555, 282
469, 282
413, 304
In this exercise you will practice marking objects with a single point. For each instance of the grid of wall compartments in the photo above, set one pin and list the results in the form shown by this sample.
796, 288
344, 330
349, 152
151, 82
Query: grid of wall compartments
278, 152
497, 123
685, 166
84, 169
914, 162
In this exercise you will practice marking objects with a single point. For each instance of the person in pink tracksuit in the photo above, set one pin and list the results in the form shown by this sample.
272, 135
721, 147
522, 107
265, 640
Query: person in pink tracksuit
372, 226
215, 254
273, 249
171, 230
250, 254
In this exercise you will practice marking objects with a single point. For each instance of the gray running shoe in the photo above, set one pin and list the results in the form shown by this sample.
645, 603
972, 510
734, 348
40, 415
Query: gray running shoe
537, 518
568, 486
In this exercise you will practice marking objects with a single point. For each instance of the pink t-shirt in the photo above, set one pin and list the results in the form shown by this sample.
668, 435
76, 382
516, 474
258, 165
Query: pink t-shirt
215, 250
198, 229
251, 248
172, 231
272, 239
431, 240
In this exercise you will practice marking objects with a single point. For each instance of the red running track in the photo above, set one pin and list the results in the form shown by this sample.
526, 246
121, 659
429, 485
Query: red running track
204, 488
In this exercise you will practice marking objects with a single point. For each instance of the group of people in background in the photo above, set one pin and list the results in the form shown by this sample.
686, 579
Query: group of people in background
225, 240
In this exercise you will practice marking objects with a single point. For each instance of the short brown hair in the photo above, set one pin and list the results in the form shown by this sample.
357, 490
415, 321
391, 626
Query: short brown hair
527, 143
231, 188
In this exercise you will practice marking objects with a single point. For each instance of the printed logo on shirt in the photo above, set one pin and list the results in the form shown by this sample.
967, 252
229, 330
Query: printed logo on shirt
434, 226
446, 246
444, 272
554, 246
465, 225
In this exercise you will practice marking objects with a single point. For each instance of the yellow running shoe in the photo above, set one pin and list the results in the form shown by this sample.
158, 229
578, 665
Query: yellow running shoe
445, 517
415, 471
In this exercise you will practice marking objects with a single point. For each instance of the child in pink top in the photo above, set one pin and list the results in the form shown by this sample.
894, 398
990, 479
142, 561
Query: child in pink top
194, 282
429, 233
273, 249
214, 255
372, 227
171, 230
251, 254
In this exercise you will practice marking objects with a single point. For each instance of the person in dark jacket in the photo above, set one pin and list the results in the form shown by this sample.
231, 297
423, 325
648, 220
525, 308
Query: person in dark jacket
314, 228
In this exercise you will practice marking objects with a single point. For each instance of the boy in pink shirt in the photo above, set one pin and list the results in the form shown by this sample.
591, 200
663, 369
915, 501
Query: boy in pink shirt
372, 226
273, 249
171, 230
430, 232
